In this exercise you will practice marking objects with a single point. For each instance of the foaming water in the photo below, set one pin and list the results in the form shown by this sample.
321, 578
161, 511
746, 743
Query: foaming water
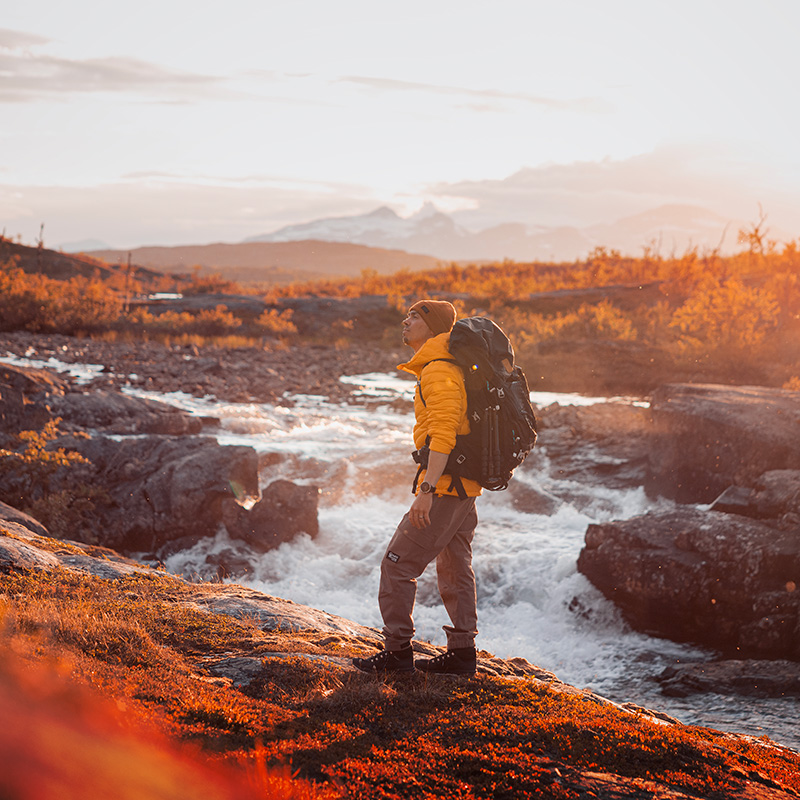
532, 602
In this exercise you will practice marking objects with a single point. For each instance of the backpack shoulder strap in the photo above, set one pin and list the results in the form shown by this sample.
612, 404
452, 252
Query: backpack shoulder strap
419, 382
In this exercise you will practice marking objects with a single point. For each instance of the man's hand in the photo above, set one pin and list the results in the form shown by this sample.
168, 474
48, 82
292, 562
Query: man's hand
420, 511
419, 514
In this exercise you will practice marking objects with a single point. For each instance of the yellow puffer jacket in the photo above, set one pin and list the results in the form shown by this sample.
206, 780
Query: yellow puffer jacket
443, 415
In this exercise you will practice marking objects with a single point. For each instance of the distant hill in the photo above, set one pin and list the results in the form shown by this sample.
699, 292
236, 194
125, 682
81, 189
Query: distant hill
252, 262
62, 266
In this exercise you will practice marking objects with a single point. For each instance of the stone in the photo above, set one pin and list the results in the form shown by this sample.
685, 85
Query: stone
285, 510
777, 493
775, 496
751, 678
228, 563
719, 580
736, 500
603, 444
530, 500
117, 413
708, 437
163, 488
10, 514
26, 396
18, 550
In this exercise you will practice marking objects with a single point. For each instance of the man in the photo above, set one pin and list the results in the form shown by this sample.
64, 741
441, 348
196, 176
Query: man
439, 525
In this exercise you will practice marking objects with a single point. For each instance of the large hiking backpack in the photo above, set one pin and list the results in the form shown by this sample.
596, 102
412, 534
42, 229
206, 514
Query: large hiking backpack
502, 421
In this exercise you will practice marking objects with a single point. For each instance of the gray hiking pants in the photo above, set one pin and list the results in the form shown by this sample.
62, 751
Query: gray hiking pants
448, 539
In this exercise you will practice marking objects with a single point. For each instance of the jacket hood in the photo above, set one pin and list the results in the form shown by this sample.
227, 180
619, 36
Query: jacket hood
436, 347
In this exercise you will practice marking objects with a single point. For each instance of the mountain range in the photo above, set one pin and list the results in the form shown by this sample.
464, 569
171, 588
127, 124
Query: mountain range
384, 241
666, 230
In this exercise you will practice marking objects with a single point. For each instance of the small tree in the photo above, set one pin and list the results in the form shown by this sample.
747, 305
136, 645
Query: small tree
726, 315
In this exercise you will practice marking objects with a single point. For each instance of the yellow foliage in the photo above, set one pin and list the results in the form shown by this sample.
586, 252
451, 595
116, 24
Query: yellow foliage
727, 314
275, 323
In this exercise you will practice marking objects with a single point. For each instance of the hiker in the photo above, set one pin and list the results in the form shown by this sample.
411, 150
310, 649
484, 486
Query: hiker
440, 524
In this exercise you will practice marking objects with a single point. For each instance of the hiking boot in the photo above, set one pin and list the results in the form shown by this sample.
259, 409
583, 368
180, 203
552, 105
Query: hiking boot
387, 661
459, 661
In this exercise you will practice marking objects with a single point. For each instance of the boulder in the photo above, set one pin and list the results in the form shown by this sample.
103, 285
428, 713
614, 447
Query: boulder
117, 413
719, 580
530, 500
284, 510
605, 444
10, 514
18, 550
707, 438
775, 496
163, 488
26, 397
751, 678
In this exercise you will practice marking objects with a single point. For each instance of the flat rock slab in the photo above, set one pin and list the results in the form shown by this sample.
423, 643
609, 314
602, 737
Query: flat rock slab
708, 437
720, 580
751, 678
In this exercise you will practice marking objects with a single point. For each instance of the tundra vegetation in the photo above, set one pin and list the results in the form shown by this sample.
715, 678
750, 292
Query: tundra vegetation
734, 317
127, 654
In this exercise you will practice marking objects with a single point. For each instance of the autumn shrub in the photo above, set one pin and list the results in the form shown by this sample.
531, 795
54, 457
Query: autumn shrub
27, 475
728, 315
32, 465
206, 322
275, 323
602, 320
40, 304
213, 283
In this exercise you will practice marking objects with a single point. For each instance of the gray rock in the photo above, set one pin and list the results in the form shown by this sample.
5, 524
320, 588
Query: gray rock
22, 549
777, 493
707, 438
228, 563
18, 550
775, 496
117, 413
26, 396
603, 444
273, 613
530, 500
749, 677
10, 514
720, 580
164, 488
284, 510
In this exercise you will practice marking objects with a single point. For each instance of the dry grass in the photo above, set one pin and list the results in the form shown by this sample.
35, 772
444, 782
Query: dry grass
328, 731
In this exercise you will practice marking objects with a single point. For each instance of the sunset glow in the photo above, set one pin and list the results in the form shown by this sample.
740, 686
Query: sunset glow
175, 123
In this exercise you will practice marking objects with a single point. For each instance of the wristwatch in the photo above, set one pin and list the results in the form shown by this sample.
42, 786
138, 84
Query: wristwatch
427, 488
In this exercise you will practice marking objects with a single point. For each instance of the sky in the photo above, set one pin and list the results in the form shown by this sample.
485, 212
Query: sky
176, 122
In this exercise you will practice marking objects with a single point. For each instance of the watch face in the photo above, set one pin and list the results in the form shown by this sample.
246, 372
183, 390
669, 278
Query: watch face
426, 488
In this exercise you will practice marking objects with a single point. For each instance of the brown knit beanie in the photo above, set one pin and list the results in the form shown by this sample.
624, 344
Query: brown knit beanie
439, 315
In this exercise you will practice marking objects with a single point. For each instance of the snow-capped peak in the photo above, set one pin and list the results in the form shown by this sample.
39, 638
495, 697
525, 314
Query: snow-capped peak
382, 227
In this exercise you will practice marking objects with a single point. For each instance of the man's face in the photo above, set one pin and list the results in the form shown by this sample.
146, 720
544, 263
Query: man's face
415, 330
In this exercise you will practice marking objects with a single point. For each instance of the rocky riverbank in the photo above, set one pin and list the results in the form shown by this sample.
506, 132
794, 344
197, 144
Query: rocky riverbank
240, 375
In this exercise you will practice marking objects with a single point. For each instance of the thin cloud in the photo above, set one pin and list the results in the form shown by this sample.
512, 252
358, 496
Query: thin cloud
31, 76
390, 84
18, 40
586, 193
